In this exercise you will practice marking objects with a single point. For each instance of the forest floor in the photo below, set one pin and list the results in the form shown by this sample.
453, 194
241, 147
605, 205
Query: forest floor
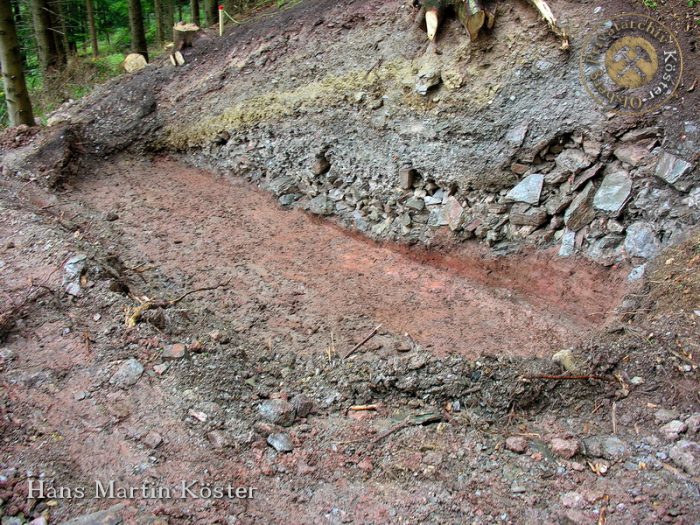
295, 295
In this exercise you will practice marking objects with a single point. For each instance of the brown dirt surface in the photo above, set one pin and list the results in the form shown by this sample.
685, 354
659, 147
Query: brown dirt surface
302, 292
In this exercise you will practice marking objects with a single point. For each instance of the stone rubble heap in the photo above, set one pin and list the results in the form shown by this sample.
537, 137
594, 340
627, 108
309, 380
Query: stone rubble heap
621, 200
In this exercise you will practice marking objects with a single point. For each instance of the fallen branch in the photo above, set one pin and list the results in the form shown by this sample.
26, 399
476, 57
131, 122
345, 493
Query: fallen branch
359, 345
133, 315
551, 20
568, 378
415, 421
363, 408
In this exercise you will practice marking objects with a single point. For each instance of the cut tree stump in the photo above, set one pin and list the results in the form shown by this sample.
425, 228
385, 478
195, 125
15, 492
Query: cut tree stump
183, 35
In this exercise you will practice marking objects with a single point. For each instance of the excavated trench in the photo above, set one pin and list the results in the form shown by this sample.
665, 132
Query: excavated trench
300, 280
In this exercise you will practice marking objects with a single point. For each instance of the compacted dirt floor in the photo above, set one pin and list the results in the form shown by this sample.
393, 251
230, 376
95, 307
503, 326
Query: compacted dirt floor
277, 300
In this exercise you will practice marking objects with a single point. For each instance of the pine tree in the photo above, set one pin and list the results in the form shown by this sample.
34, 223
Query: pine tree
19, 107
138, 35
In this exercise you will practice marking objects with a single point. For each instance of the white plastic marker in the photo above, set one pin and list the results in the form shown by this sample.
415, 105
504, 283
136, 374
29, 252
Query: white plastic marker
221, 20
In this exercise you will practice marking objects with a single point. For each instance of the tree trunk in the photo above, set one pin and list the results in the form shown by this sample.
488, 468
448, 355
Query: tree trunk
138, 35
45, 43
179, 11
169, 17
19, 107
93, 28
60, 25
211, 12
194, 7
160, 33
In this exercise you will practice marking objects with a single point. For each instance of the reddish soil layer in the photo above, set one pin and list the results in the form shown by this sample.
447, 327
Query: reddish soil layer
203, 229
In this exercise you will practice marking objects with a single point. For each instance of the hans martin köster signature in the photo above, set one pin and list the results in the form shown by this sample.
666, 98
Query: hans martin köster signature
42, 489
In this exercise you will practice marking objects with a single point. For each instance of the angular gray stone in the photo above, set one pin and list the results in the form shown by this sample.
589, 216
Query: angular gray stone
455, 213
607, 447
637, 273
568, 243
428, 77
303, 405
606, 250
641, 241
127, 374
415, 203
438, 217
321, 205
632, 154
613, 192
528, 190
289, 199
278, 412
686, 455
558, 203
281, 442
407, 177
672, 429
516, 136
573, 161
282, 185
524, 215
581, 212
664, 415
672, 169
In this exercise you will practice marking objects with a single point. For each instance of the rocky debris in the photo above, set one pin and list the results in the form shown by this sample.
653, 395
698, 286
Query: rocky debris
176, 351
218, 439
613, 193
278, 412
672, 170
152, 439
632, 154
111, 216
111, 516
303, 405
673, 429
607, 447
72, 272
127, 374
428, 77
321, 205
686, 454
573, 500
525, 215
282, 185
664, 415
565, 448
580, 213
528, 190
281, 442
573, 161
516, 444
415, 203
641, 241
693, 423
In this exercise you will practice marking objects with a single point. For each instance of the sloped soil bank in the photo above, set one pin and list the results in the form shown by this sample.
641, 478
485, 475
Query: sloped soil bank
457, 429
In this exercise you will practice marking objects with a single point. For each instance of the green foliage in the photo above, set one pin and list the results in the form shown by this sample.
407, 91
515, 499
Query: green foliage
651, 4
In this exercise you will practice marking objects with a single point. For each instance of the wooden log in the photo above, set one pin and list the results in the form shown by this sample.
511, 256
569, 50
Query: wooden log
176, 59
